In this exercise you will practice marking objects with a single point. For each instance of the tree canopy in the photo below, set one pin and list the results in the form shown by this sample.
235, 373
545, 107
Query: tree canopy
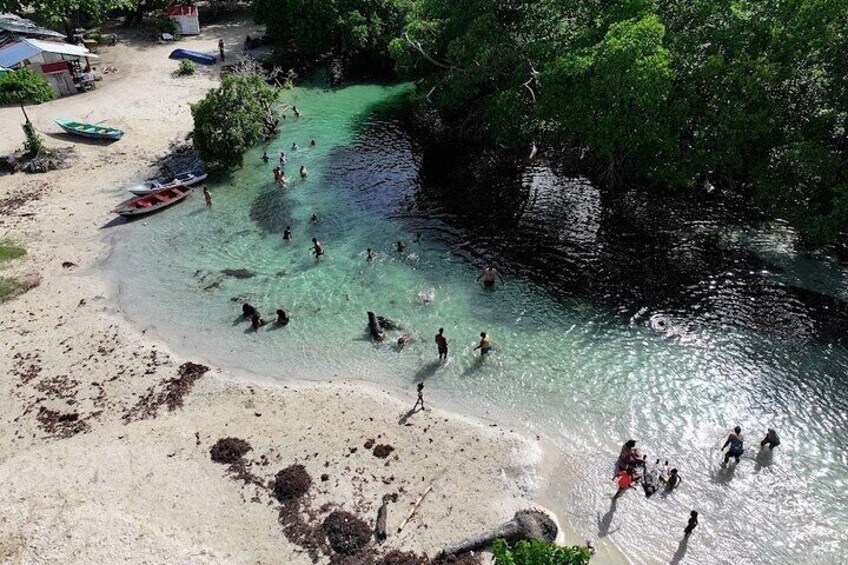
62, 14
232, 118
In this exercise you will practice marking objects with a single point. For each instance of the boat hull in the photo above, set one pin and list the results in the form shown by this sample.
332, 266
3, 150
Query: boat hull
196, 56
90, 131
153, 202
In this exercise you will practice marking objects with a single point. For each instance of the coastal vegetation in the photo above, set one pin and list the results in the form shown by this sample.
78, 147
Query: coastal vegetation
10, 250
539, 552
232, 118
748, 97
12, 286
23, 87
186, 68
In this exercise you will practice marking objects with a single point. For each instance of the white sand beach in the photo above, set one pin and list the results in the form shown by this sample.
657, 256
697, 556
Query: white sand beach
88, 479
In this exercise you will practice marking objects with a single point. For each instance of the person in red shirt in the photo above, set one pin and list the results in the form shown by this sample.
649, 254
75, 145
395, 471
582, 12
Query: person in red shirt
442, 344
625, 481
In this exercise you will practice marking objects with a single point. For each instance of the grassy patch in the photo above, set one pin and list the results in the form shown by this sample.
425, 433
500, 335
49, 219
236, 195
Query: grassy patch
11, 286
9, 251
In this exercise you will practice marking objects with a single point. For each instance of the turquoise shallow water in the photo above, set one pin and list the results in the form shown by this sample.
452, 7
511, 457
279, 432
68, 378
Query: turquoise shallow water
561, 366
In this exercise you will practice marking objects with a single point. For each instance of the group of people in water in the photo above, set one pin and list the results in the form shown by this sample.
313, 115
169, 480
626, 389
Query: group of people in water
632, 468
256, 321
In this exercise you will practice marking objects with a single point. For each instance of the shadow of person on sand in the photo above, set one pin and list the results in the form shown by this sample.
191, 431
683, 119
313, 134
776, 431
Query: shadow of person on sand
605, 522
681, 551
405, 418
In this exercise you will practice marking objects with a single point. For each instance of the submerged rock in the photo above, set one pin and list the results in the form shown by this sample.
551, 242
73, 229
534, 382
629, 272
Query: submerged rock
238, 273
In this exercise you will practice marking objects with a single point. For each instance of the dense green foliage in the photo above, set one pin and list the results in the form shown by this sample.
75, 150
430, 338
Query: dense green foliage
64, 14
352, 27
750, 95
232, 118
24, 87
186, 68
539, 552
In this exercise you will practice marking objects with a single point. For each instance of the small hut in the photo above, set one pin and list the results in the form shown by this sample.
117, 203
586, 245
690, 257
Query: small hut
66, 67
187, 17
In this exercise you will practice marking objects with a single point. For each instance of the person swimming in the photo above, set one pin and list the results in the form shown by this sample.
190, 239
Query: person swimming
317, 249
282, 317
295, 111
287, 234
247, 310
488, 275
264, 156
314, 219
400, 246
294, 147
405, 338
312, 143
256, 321
303, 172
369, 254
770, 440
282, 158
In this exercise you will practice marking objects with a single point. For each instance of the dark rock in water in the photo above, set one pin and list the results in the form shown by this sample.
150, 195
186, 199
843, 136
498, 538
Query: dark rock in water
346, 533
229, 450
292, 482
238, 273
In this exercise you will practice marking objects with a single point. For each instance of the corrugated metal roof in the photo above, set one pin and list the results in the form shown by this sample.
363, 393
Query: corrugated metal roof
16, 24
14, 53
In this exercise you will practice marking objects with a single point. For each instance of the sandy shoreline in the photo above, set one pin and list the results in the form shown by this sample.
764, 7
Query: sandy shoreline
85, 485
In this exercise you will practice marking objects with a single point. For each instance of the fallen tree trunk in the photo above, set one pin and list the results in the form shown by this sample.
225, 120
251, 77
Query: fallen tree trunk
374, 327
525, 525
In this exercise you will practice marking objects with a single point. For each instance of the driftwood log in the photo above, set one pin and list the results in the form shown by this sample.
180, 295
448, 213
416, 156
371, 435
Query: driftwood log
525, 525
382, 515
374, 327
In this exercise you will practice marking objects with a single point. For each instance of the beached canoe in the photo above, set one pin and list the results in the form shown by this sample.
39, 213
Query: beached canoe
90, 131
183, 179
152, 202
195, 56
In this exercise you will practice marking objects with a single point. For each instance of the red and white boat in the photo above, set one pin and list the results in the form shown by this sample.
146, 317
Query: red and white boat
152, 202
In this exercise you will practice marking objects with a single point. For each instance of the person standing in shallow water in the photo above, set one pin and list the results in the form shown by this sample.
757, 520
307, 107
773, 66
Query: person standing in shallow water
735, 441
287, 234
207, 196
369, 255
317, 249
221, 49
485, 345
770, 440
442, 345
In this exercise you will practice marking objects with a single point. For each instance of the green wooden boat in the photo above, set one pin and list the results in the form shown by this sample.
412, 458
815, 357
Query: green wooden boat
90, 131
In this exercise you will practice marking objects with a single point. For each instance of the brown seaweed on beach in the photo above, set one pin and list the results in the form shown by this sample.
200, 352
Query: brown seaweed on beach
290, 483
347, 534
61, 425
171, 394
382, 450
229, 450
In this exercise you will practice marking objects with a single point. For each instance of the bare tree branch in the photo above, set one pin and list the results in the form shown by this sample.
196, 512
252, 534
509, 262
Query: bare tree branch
417, 46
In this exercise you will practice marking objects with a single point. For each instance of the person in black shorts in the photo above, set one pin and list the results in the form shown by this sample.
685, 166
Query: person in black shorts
317, 248
692, 524
442, 344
